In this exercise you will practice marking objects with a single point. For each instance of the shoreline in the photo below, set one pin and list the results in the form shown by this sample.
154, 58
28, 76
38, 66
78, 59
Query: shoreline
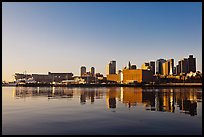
112, 85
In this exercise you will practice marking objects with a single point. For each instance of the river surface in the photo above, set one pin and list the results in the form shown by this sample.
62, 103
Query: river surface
101, 111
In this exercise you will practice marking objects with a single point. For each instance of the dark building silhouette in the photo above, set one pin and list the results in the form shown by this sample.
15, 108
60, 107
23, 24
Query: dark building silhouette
186, 65
152, 65
92, 71
83, 70
159, 63
191, 64
111, 68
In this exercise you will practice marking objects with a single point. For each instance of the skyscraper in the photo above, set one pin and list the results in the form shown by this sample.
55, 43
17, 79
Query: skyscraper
165, 68
159, 66
168, 67
184, 65
83, 70
152, 65
92, 71
111, 68
191, 64
171, 66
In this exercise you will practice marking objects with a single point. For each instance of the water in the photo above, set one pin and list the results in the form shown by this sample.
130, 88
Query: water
112, 111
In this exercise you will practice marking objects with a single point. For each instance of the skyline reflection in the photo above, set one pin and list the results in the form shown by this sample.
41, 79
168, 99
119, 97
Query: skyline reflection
171, 100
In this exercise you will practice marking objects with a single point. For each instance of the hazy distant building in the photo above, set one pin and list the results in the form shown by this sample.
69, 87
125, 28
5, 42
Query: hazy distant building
111, 68
92, 71
159, 63
83, 70
191, 64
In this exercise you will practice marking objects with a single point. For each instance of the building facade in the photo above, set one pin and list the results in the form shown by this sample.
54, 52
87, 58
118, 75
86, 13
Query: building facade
159, 68
152, 66
58, 77
138, 75
191, 64
83, 70
168, 67
92, 71
111, 68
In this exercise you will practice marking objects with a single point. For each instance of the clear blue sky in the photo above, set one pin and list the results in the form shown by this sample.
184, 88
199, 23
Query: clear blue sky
61, 37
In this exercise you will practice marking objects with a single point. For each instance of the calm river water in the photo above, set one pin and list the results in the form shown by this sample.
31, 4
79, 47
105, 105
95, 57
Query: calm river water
109, 111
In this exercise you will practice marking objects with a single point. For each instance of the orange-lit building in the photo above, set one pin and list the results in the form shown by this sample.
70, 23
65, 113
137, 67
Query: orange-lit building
137, 75
114, 77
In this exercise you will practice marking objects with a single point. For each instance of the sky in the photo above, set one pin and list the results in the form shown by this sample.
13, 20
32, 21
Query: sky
62, 37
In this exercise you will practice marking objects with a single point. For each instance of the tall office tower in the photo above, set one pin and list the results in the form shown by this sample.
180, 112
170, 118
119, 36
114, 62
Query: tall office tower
111, 68
179, 68
165, 68
171, 66
184, 65
92, 71
159, 63
152, 65
191, 64
174, 70
168, 67
83, 70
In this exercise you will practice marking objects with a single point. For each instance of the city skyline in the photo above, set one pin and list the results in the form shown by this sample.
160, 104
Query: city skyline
62, 37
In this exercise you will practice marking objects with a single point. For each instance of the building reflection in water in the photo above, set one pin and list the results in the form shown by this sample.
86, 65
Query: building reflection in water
89, 94
111, 97
164, 100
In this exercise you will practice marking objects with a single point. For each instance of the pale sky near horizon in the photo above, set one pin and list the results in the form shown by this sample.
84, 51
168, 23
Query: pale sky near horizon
61, 37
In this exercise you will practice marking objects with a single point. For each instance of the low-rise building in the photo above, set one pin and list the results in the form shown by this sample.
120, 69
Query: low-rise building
138, 75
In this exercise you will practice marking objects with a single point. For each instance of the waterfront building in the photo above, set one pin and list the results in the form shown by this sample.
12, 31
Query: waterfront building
42, 78
137, 75
167, 67
19, 76
92, 71
111, 68
184, 66
114, 77
58, 77
152, 66
171, 66
83, 70
191, 64
159, 68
